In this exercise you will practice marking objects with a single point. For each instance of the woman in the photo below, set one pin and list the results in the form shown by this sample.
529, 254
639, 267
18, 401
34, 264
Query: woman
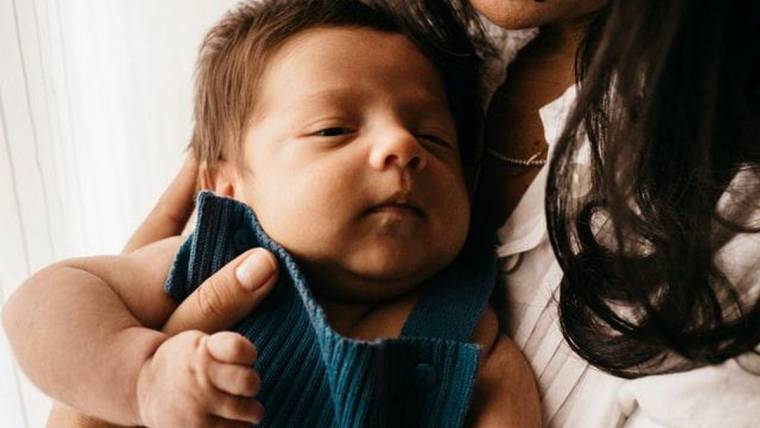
642, 216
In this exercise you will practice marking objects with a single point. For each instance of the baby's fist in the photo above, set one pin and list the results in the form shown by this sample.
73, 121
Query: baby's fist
197, 380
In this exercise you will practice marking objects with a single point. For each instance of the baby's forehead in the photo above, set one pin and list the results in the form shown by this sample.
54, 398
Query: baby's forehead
342, 64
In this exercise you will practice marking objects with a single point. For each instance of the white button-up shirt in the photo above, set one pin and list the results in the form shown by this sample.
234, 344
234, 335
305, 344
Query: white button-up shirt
573, 393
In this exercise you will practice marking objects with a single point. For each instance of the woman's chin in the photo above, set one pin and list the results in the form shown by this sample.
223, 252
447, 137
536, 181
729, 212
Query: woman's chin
523, 14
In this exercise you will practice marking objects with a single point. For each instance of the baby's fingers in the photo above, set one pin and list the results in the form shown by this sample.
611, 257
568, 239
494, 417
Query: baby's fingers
229, 347
216, 422
235, 408
234, 379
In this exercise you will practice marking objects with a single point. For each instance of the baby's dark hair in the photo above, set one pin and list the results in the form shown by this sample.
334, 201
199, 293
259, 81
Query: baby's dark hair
236, 50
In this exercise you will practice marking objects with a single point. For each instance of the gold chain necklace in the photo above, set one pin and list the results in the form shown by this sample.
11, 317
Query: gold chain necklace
532, 161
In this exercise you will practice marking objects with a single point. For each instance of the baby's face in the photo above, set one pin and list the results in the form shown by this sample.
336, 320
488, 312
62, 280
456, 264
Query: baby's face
353, 163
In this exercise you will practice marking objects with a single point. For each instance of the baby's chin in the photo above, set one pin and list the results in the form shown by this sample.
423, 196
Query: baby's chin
369, 280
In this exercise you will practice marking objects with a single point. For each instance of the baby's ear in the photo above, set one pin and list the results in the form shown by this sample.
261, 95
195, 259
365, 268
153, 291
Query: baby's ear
221, 178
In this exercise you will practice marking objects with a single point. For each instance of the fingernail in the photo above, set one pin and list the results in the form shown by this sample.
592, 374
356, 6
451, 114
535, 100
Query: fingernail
255, 271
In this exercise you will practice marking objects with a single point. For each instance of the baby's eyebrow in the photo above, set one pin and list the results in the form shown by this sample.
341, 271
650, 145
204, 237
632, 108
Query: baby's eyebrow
353, 95
347, 97
340, 94
416, 102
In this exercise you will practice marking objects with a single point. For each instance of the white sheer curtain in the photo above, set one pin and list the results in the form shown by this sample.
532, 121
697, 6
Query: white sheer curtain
95, 110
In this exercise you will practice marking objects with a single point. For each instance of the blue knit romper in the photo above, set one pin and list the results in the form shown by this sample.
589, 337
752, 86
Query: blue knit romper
314, 377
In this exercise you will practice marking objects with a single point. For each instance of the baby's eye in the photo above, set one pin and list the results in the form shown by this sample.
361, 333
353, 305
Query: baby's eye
332, 132
435, 140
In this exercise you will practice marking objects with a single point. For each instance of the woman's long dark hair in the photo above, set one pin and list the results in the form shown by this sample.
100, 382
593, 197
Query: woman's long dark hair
670, 102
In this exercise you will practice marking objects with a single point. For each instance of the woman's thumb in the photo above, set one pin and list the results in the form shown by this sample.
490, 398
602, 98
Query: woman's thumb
226, 297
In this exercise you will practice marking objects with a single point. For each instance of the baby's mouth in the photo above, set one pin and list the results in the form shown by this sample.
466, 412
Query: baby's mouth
399, 204
397, 208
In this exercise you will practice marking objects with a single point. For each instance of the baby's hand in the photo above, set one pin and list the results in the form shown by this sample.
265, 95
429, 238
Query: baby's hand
200, 380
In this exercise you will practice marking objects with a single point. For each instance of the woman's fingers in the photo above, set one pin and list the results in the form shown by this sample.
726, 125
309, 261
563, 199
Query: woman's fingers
170, 215
226, 297
234, 379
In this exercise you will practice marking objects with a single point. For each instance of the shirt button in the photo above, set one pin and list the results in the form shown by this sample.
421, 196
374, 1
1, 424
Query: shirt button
242, 240
425, 376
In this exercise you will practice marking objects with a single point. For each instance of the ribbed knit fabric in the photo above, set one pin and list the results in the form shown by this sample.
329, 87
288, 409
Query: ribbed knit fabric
314, 377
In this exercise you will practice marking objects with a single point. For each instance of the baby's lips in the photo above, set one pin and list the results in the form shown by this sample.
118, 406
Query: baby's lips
398, 206
399, 199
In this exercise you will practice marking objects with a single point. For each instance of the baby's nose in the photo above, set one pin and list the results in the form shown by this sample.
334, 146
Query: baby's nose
398, 148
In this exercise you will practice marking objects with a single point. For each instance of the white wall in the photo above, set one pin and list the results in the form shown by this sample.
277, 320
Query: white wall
95, 110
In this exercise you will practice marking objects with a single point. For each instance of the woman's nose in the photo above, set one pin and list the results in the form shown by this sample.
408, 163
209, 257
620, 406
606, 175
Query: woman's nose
397, 148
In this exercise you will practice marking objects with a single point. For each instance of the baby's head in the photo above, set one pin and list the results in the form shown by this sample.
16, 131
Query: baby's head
337, 129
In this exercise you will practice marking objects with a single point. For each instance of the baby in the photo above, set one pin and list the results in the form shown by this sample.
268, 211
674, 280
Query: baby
336, 128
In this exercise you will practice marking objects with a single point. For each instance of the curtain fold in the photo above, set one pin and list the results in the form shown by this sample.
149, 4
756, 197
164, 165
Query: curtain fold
95, 112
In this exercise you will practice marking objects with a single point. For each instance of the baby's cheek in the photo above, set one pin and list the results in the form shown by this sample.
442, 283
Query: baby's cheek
268, 207
290, 220
452, 200
453, 221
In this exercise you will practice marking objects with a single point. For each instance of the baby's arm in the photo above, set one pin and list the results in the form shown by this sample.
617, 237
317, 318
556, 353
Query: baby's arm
505, 393
76, 329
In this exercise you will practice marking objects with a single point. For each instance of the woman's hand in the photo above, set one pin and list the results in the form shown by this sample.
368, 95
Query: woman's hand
220, 302
172, 211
